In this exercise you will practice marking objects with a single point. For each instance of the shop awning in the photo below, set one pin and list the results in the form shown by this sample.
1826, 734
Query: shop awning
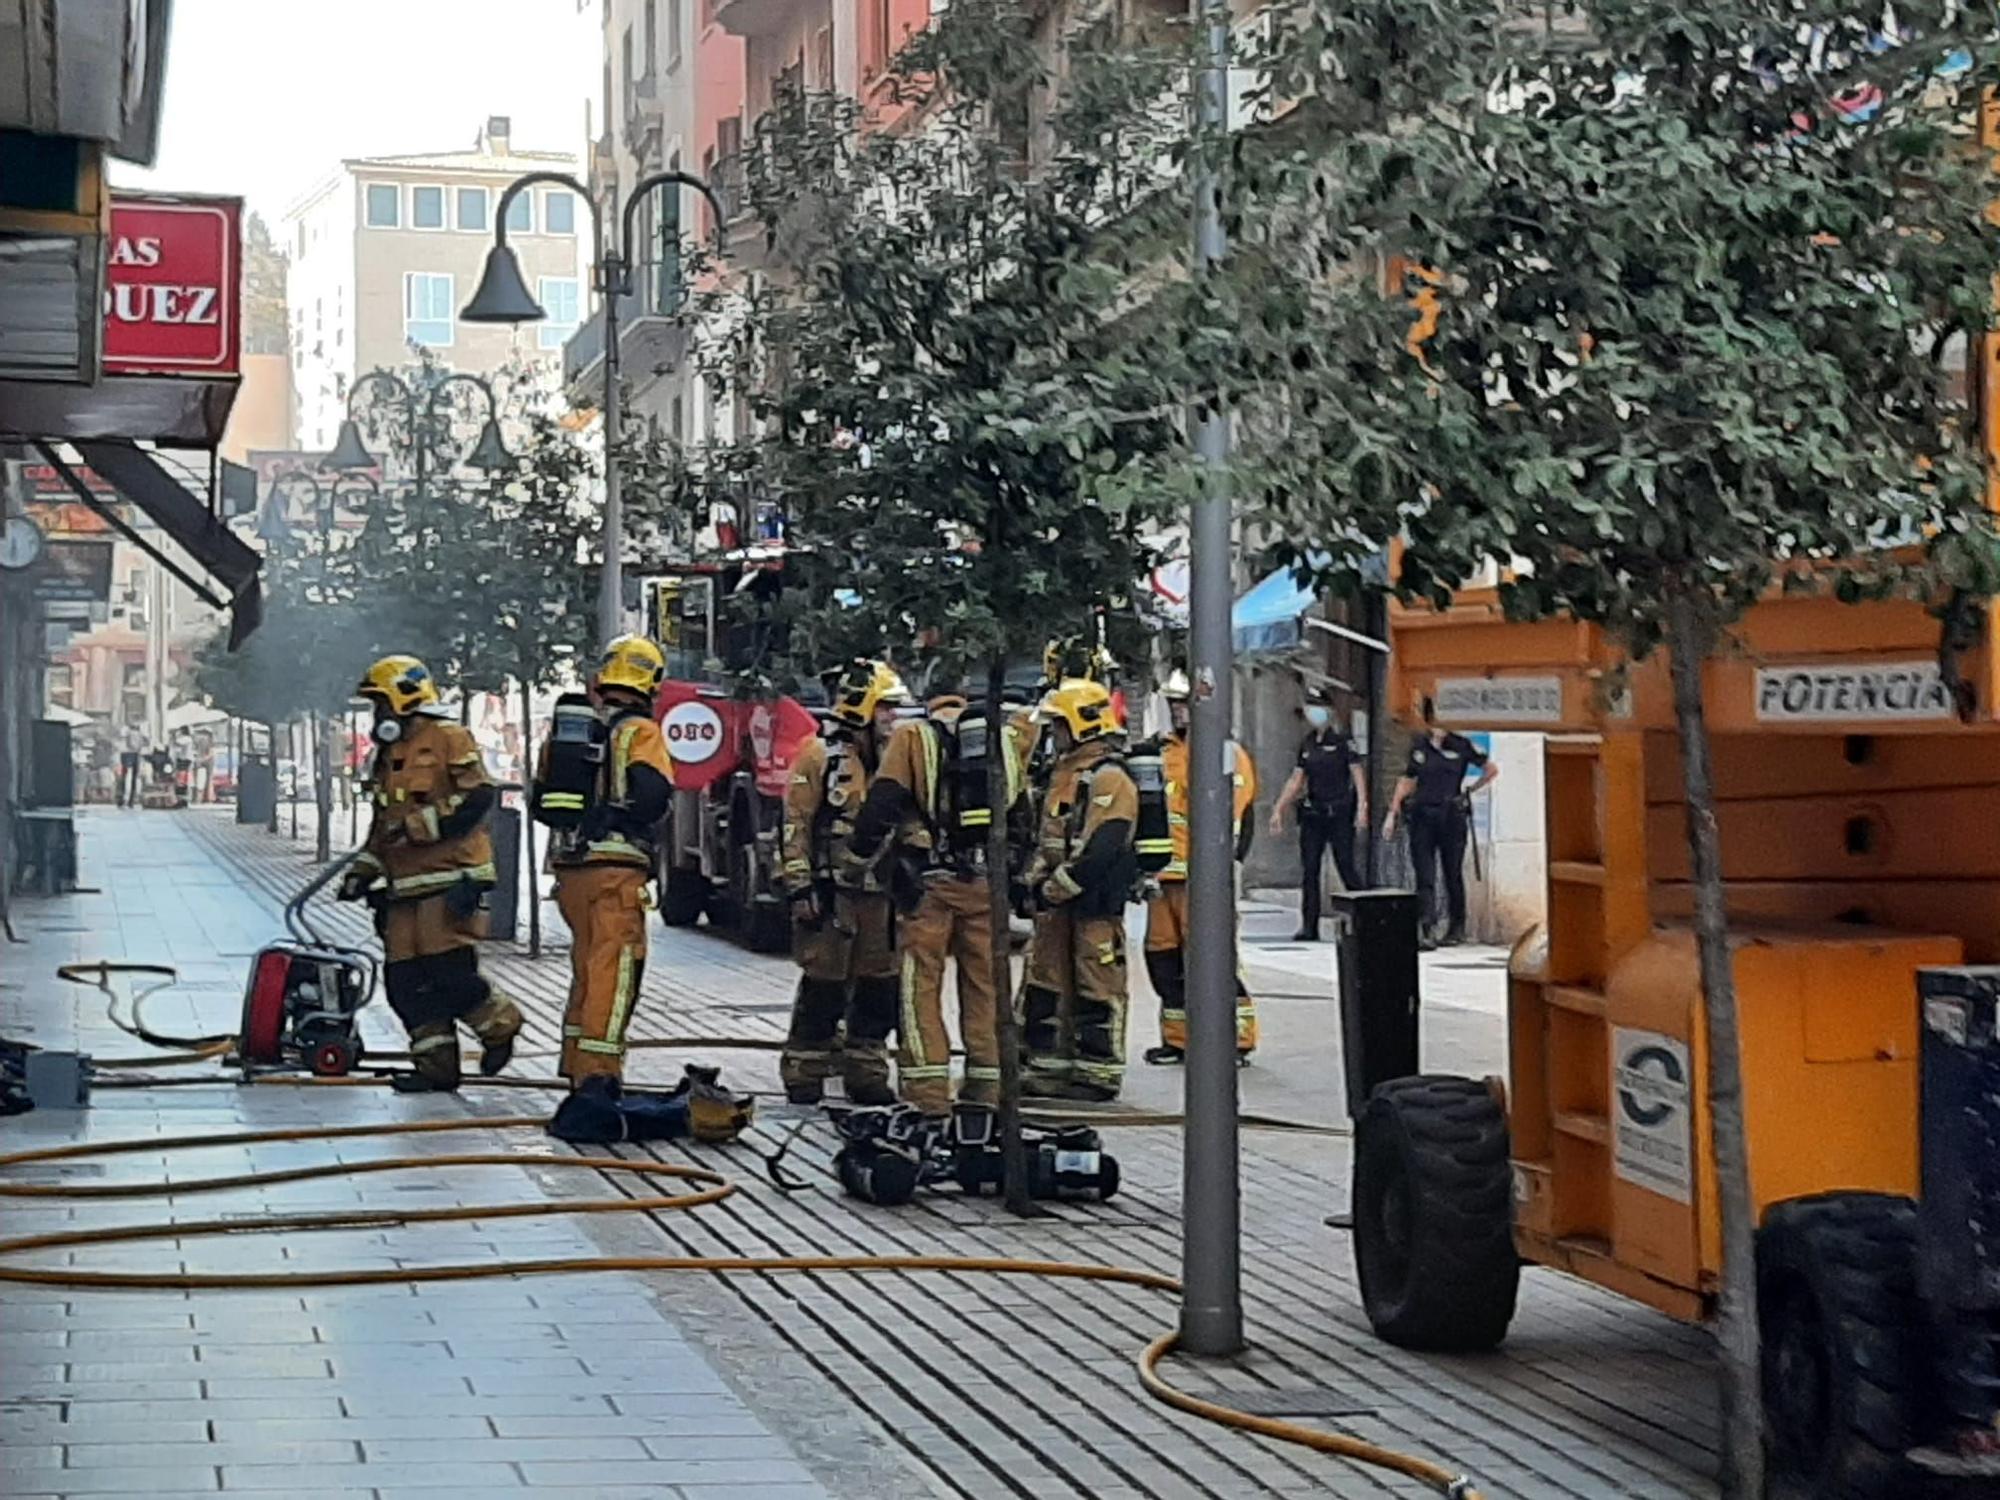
1268, 617
213, 547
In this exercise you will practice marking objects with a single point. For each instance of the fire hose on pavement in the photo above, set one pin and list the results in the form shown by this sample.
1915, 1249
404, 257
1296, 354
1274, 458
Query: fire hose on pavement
706, 1187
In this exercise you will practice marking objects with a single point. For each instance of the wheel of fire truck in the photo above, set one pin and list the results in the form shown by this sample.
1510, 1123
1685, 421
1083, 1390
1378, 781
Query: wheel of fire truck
1843, 1345
1433, 1222
766, 922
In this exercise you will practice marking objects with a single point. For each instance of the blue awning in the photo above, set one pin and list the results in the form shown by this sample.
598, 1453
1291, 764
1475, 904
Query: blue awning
1268, 617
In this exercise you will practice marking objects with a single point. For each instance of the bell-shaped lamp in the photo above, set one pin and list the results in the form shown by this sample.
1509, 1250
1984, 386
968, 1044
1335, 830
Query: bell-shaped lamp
502, 296
489, 454
349, 452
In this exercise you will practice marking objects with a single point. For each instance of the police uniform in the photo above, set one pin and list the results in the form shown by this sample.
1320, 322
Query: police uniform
1167, 913
842, 943
915, 794
1074, 998
1438, 821
430, 855
602, 867
1326, 820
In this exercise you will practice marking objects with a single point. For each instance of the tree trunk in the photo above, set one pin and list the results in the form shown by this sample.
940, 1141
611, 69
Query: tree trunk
1014, 1156
529, 882
322, 733
1690, 637
271, 764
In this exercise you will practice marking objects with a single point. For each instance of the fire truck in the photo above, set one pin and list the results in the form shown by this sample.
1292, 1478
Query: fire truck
733, 738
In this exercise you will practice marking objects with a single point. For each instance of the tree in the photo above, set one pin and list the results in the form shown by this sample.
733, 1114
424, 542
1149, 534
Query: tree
1689, 328
266, 327
950, 394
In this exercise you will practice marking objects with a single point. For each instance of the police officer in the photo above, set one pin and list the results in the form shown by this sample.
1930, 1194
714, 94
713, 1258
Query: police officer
931, 791
427, 863
1433, 785
1167, 912
841, 917
1333, 780
1077, 884
603, 862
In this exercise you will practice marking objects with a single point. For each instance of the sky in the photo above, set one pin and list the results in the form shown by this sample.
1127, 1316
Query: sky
264, 97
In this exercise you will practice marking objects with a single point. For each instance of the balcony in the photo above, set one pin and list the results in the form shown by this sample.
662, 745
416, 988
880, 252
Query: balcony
644, 118
651, 342
749, 18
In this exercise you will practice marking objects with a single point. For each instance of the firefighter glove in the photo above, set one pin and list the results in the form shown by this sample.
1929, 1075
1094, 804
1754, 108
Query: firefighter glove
462, 900
354, 885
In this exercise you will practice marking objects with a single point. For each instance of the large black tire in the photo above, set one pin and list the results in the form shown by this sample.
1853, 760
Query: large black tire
1843, 1345
683, 897
1433, 1220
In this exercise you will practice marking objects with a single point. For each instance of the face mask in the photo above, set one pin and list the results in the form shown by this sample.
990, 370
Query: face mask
1319, 718
387, 731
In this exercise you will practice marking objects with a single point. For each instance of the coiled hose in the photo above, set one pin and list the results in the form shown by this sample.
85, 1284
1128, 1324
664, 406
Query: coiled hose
706, 1187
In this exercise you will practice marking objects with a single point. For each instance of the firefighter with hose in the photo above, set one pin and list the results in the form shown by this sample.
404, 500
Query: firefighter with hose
603, 783
427, 865
842, 922
932, 796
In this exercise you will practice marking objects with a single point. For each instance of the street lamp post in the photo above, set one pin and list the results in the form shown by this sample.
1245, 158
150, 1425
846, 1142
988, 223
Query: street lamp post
350, 453
503, 297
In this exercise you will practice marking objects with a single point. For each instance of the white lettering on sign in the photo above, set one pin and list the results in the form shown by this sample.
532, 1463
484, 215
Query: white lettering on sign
1652, 1082
1506, 700
158, 303
136, 250
693, 731
1885, 690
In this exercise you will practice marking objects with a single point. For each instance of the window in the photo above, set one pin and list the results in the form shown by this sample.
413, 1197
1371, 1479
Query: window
474, 211
521, 214
62, 690
427, 208
823, 60
428, 308
558, 296
385, 205
673, 33
626, 77
558, 213
653, 32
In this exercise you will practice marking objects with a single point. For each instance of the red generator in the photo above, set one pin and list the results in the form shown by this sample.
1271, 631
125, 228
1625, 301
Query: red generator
302, 1006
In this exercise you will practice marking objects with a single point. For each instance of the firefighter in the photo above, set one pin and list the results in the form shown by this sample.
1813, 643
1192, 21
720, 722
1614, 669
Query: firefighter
1167, 911
427, 864
1076, 885
931, 793
842, 921
604, 859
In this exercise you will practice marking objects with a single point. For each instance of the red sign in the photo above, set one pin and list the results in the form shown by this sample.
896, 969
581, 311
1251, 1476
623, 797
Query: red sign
708, 736
173, 285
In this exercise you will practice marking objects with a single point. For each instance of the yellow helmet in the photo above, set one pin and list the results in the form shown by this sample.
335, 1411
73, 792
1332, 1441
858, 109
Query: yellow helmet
632, 662
401, 684
864, 686
1176, 689
1083, 705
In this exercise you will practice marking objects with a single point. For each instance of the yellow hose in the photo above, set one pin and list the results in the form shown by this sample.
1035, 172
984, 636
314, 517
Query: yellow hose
707, 1187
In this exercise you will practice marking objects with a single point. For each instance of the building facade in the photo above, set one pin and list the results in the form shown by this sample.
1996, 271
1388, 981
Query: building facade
386, 250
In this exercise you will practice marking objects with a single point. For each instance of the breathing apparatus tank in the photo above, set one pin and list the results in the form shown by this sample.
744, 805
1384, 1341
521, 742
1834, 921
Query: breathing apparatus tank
971, 797
1067, 1162
884, 1154
568, 786
1152, 835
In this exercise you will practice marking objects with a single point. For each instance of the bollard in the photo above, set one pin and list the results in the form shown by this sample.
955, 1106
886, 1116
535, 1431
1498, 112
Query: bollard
1375, 933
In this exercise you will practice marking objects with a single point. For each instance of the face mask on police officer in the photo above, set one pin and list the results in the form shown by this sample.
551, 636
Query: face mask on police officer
1318, 717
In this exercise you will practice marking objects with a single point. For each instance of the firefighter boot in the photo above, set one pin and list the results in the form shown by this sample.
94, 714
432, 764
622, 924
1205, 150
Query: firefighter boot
807, 1060
433, 1060
1167, 969
496, 1023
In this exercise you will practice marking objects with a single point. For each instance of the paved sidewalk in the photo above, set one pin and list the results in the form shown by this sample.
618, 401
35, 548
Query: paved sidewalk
996, 1387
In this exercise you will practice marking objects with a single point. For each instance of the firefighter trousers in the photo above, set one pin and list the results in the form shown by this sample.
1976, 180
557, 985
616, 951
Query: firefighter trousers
847, 976
953, 920
1073, 1003
430, 974
1166, 966
605, 907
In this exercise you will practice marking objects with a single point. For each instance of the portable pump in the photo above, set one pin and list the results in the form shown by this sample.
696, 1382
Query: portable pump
577, 745
302, 1004
888, 1152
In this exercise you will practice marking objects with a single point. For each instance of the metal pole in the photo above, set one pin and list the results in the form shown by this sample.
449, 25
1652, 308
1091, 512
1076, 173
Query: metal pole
611, 582
1211, 1270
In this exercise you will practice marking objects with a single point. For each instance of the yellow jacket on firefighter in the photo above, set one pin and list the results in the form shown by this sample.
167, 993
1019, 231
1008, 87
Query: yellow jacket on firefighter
1174, 766
1085, 796
914, 761
416, 783
829, 783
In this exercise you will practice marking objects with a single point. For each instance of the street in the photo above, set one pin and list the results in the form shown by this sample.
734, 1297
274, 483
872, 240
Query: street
779, 1386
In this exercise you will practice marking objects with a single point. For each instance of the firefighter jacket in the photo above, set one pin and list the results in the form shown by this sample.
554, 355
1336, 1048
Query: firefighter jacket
431, 795
915, 794
828, 786
634, 787
1084, 854
1174, 763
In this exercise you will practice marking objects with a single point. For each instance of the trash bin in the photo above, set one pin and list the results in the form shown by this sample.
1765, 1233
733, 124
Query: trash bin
1376, 937
503, 902
256, 791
